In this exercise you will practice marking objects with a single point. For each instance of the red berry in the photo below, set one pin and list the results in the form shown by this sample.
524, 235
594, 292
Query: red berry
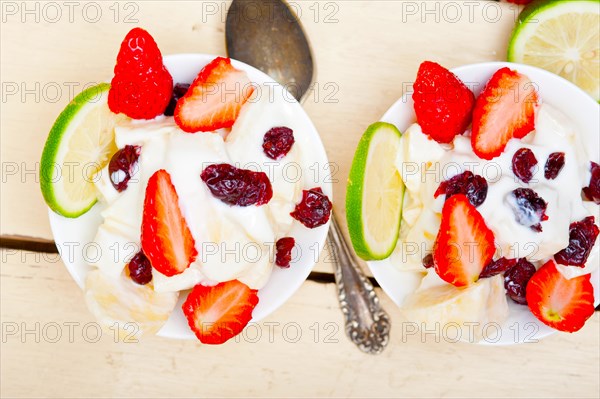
284, 248
166, 238
314, 209
464, 244
520, 2
592, 192
497, 266
140, 269
428, 261
523, 164
560, 303
443, 103
529, 208
215, 98
554, 164
505, 109
278, 142
142, 86
473, 186
178, 91
516, 279
582, 236
219, 313
122, 166
236, 186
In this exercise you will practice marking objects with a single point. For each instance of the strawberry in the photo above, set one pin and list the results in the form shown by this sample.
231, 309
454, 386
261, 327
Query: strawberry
464, 244
166, 238
142, 86
443, 103
505, 109
216, 314
520, 2
214, 99
560, 303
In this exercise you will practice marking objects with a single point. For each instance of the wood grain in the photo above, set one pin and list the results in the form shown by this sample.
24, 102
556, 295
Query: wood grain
366, 53
282, 363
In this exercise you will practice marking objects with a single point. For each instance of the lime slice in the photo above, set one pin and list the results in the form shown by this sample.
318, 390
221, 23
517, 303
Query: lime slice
80, 143
562, 37
375, 192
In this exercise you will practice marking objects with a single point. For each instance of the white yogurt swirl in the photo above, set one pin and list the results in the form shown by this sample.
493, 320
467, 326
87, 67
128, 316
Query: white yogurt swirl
424, 164
233, 242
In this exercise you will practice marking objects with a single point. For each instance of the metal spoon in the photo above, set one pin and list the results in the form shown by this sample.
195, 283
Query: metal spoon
267, 35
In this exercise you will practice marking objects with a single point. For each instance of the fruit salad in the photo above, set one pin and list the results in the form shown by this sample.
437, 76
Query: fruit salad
193, 176
500, 206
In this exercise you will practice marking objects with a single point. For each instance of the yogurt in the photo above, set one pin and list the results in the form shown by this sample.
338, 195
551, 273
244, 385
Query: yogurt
424, 164
232, 242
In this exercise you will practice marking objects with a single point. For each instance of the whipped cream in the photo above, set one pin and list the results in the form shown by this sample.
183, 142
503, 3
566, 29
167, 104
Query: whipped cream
232, 242
424, 164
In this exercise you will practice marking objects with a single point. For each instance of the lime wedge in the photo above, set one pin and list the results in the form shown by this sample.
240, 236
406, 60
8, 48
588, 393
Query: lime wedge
80, 143
562, 37
375, 192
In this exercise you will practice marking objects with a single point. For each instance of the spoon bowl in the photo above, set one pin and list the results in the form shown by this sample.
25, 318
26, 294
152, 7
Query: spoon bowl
267, 35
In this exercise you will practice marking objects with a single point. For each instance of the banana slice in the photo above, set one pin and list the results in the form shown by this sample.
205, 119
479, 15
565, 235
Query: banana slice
437, 306
129, 308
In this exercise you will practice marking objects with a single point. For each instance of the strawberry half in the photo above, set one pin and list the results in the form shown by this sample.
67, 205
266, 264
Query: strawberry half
166, 238
443, 103
142, 86
505, 109
216, 314
214, 99
464, 244
560, 303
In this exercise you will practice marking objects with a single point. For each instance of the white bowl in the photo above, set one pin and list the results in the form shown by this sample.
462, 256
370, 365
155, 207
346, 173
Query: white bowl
521, 326
72, 235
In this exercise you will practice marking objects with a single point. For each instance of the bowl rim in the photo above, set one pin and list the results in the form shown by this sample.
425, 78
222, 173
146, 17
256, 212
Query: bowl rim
403, 101
320, 233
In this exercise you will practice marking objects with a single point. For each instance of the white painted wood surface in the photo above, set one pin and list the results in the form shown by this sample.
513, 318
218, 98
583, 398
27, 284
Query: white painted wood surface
367, 53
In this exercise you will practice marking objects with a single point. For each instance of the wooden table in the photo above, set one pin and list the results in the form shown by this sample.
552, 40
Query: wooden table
367, 53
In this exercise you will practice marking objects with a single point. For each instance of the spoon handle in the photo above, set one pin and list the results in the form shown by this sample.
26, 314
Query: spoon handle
366, 323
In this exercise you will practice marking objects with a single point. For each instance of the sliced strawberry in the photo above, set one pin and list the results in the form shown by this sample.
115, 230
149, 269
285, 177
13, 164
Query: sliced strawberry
443, 103
215, 98
166, 238
560, 303
464, 244
504, 109
216, 314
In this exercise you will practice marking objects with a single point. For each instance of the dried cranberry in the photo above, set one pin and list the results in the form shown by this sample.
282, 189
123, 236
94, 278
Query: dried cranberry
473, 186
592, 192
516, 279
497, 266
235, 186
314, 209
523, 164
140, 269
554, 165
582, 236
122, 166
428, 261
529, 208
278, 142
178, 91
283, 248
